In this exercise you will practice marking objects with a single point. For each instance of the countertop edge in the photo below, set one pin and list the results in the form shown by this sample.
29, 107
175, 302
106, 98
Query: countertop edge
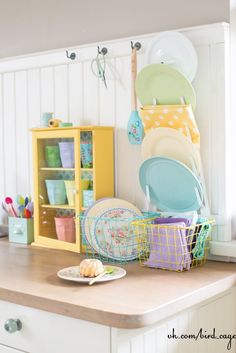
187, 301
124, 321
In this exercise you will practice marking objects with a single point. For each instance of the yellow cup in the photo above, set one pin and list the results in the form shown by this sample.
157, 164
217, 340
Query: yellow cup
85, 184
70, 191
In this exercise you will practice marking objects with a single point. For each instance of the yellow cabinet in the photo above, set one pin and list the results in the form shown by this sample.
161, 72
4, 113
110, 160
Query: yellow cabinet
73, 167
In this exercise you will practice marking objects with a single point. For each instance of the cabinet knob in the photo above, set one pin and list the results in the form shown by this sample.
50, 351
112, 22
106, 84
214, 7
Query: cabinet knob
13, 325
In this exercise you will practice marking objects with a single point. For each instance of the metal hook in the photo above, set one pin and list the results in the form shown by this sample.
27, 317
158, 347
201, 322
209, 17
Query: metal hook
72, 56
103, 51
137, 45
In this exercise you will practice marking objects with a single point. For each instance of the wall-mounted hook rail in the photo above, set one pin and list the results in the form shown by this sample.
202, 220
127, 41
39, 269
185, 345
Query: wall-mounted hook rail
72, 56
136, 45
103, 51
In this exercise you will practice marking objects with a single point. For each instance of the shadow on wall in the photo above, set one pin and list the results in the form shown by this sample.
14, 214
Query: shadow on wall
33, 26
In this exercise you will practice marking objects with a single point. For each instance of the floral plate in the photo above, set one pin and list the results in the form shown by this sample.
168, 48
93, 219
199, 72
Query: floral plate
114, 234
107, 227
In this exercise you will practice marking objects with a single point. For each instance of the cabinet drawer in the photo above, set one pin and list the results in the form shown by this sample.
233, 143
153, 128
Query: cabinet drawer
44, 332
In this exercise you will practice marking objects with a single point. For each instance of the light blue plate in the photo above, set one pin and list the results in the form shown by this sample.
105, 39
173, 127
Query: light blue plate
172, 185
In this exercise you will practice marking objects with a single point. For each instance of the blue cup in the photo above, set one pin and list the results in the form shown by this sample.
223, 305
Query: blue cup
87, 198
56, 192
86, 155
45, 117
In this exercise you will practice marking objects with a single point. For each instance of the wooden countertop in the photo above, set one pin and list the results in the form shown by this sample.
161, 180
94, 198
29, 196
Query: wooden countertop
143, 297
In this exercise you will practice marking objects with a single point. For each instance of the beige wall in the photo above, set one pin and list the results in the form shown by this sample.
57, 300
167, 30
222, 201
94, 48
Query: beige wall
34, 25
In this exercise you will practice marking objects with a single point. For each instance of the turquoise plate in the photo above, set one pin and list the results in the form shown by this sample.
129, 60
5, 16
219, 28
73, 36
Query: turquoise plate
165, 84
172, 185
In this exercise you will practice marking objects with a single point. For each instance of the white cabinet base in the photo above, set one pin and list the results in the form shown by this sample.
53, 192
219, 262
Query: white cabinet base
44, 332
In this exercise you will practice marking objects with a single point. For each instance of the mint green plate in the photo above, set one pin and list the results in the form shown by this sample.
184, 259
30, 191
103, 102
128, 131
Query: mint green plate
165, 84
173, 187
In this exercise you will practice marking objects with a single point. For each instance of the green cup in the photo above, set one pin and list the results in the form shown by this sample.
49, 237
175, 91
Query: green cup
53, 156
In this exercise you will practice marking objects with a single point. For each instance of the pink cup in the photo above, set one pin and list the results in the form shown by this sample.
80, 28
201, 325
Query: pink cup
65, 228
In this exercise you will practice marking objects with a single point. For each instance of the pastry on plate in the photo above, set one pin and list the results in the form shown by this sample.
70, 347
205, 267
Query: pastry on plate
91, 268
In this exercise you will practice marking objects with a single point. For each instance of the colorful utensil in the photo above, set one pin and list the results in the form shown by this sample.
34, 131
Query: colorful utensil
21, 210
30, 207
4, 207
11, 209
108, 271
26, 201
135, 126
25, 207
27, 213
21, 202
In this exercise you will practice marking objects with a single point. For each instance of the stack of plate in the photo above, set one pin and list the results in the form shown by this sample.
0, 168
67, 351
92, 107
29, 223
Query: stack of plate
171, 65
107, 227
170, 175
164, 86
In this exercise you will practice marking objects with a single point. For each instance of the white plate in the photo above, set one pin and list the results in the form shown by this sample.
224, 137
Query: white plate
175, 50
72, 274
96, 218
170, 143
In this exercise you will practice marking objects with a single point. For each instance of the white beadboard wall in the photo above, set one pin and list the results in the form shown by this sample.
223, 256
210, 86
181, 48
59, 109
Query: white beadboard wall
50, 82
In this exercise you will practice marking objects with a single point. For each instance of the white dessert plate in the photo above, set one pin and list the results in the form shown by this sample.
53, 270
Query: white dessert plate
72, 274
174, 49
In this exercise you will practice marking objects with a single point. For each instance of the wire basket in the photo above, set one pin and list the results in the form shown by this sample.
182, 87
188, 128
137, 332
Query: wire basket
110, 239
174, 247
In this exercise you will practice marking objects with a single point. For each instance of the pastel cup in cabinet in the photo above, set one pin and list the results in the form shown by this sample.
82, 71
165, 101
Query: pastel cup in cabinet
84, 184
87, 198
67, 154
70, 191
65, 229
52, 154
56, 192
21, 230
86, 155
